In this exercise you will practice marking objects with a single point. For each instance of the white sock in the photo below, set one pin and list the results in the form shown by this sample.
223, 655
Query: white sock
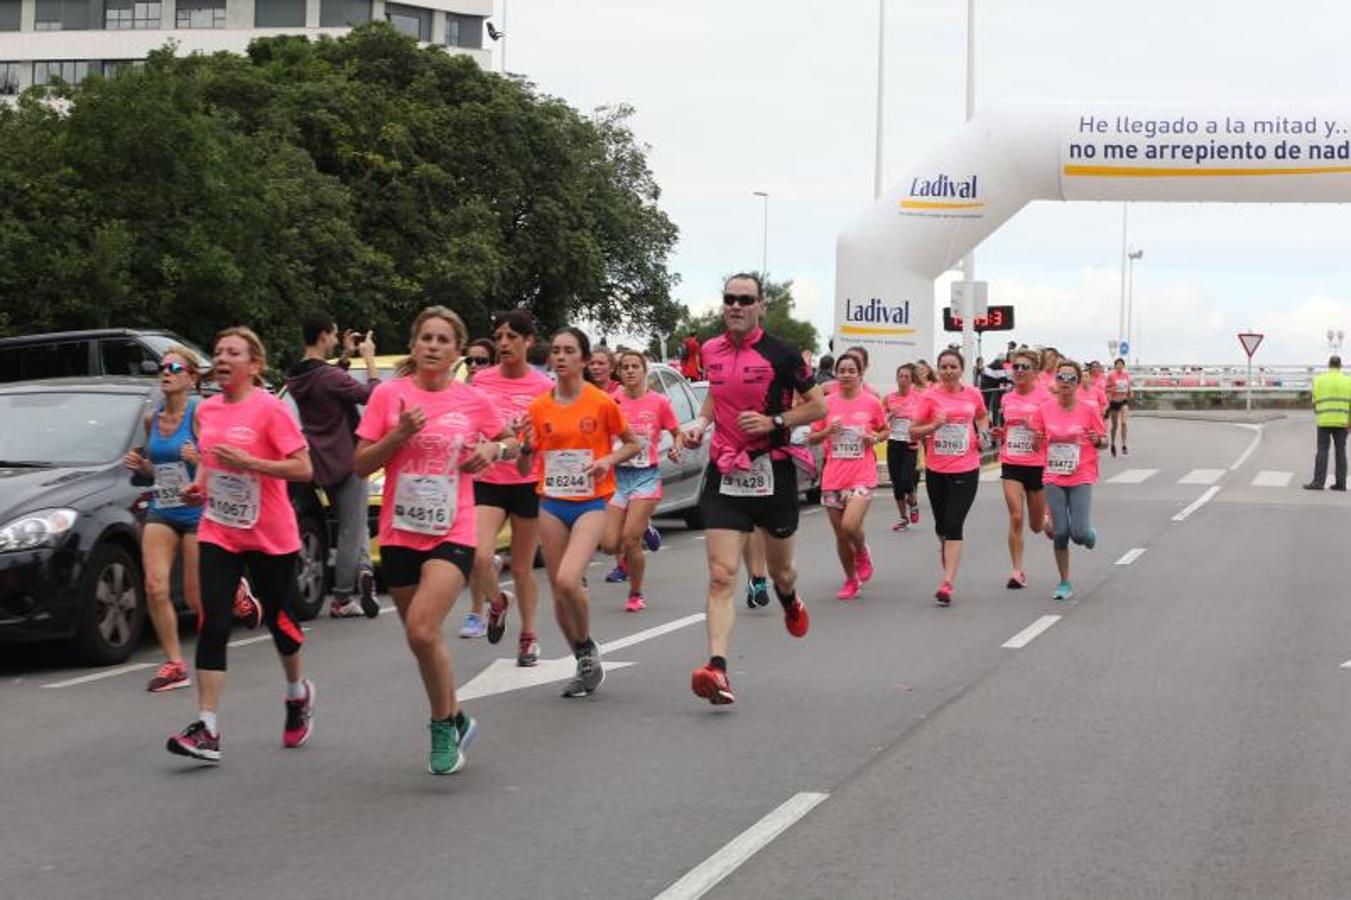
295, 690
209, 720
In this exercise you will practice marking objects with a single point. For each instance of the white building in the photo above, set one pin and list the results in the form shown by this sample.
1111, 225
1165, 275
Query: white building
43, 39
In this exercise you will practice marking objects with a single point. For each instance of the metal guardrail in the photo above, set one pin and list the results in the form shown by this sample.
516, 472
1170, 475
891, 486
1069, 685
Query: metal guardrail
1266, 379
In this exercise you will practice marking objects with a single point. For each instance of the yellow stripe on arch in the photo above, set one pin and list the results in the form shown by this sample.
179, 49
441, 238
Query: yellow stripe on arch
1165, 172
938, 204
865, 330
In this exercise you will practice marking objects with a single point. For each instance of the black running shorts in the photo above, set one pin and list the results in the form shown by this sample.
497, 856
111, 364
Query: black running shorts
1028, 476
402, 566
517, 499
777, 514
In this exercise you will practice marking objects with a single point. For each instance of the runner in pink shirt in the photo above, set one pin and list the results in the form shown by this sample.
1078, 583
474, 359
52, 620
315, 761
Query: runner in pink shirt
602, 369
1022, 458
638, 481
431, 434
250, 446
902, 408
1119, 402
1093, 388
1074, 434
854, 423
954, 424
501, 492
1050, 356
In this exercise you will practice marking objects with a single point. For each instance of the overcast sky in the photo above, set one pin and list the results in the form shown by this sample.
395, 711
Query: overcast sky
736, 96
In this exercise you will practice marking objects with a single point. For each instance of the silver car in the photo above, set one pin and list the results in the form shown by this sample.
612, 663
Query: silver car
682, 482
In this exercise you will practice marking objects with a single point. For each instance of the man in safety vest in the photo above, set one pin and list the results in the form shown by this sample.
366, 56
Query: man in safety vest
1332, 409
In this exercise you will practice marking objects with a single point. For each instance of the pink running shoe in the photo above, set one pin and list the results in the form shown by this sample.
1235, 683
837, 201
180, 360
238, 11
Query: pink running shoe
850, 590
914, 515
1017, 580
635, 604
299, 718
863, 565
944, 593
169, 676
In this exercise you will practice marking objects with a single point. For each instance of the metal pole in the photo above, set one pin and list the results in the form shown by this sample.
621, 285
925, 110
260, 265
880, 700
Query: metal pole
969, 264
1121, 307
881, 58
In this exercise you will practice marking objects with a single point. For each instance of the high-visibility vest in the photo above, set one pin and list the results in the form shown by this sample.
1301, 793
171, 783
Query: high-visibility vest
1332, 399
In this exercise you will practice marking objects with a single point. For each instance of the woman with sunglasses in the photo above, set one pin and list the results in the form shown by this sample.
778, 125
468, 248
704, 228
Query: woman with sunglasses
954, 424
170, 458
902, 406
1074, 434
1022, 458
572, 431
479, 355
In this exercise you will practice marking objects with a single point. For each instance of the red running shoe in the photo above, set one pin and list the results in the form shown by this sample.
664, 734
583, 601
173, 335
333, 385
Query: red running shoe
299, 718
711, 683
248, 608
169, 676
914, 515
944, 594
795, 618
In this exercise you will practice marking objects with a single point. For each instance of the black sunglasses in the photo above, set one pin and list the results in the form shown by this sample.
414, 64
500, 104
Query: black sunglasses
1021, 367
173, 368
739, 299
478, 360
1066, 377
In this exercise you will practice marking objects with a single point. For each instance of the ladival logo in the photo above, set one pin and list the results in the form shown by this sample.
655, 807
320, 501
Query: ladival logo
877, 317
943, 193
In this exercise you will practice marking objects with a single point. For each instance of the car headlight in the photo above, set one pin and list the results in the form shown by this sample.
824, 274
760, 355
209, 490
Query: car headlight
36, 529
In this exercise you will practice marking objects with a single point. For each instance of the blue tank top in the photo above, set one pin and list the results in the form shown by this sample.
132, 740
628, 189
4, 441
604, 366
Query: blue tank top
172, 474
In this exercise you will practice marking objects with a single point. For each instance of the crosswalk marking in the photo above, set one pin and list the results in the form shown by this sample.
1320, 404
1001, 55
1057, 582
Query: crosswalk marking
1132, 476
1268, 478
1201, 476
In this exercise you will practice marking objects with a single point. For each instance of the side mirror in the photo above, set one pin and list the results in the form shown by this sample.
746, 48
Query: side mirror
149, 367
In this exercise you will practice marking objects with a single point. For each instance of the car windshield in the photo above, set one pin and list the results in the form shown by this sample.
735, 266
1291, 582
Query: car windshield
64, 428
160, 343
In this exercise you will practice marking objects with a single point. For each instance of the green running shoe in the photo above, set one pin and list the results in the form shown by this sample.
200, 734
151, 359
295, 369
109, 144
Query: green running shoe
1063, 591
445, 756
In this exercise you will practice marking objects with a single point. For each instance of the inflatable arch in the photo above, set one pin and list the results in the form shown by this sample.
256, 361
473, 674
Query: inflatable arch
1008, 155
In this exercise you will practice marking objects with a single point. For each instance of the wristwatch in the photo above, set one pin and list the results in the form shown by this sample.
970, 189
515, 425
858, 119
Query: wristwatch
778, 421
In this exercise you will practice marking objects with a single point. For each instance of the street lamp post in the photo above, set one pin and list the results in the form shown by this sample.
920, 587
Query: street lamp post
764, 235
881, 48
1132, 258
1121, 306
969, 264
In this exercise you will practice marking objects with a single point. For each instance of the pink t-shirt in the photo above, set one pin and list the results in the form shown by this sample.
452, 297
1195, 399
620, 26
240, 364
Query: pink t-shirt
1097, 396
420, 510
851, 460
1022, 418
1119, 384
512, 396
907, 407
648, 417
1071, 457
954, 447
248, 510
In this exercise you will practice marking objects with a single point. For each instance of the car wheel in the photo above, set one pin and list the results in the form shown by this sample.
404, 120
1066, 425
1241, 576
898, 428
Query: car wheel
312, 570
112, 607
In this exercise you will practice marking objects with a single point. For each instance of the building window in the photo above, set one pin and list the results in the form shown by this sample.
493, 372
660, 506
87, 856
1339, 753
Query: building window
122, 15
411, 20
9, 15
279, 13
68, 15
464, 31
200, 14
342, 13
10, 81
112, 67
68, 70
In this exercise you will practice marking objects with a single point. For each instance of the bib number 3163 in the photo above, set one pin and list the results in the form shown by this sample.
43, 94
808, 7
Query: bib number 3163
757, 481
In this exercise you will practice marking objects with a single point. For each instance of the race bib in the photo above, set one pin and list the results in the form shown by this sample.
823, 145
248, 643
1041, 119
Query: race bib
170, 479
757, 481
848, 444
233, 499
566, 476
1018, 440
900, 430
425, 504
952, 439
1062, 457
644, 458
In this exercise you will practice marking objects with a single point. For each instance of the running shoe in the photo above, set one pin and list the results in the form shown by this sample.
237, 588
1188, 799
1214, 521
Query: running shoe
636, 603
795, 618
1114, 449
370, 605
1125, 451
944, 593
344, 609
590, 675
1017, 580
757, 593
299, 718
248, 609
618, 574
168, 677
850, 590
711, 683
474, 626
445, 757
497, 616
863, 565
901, 525
652, 539
466, 729
1063, 591
527, 652
914, 514
195, 741
1091, 539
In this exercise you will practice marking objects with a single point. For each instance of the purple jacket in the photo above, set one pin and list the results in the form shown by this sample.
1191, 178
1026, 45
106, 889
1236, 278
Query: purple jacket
328, 399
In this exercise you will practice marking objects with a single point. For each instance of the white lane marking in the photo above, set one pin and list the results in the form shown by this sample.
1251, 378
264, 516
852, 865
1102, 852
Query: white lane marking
99, 676
1347, 664
705, 876
1269, 478
648, 634
1130, 556
1026, 636
700, 537
1252, 445
1132, 476
1197, 504
1201, 476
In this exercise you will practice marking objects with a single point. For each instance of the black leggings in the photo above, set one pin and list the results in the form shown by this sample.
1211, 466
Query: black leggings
951, 497
273, 579
901, 460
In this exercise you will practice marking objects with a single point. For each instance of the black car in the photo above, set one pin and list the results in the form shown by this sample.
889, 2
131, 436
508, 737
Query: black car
80, 354
70, 516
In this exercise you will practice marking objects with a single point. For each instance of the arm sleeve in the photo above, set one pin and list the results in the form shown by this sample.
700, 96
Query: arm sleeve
347, 387
667, 420
283, 431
